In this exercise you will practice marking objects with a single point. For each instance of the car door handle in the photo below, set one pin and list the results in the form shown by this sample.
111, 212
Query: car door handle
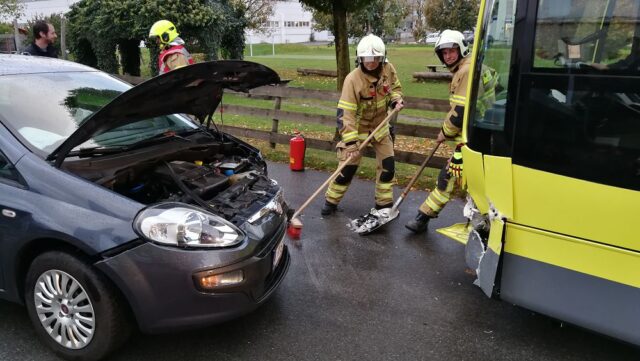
8, 213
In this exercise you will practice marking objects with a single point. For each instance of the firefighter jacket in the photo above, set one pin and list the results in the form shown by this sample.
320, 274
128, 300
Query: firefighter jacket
452, 126
364, 102
174, 56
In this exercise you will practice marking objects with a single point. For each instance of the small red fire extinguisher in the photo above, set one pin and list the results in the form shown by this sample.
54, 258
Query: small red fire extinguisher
297, 148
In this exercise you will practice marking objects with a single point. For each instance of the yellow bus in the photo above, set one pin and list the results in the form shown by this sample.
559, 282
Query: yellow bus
552, 166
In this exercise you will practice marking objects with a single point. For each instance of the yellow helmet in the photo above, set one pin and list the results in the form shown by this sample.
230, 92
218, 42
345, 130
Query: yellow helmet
164, 31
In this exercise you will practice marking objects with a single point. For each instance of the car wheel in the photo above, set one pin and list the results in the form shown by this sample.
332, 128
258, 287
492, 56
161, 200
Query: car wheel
74, 309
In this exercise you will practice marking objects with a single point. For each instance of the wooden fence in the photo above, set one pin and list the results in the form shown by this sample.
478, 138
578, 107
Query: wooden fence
280, 93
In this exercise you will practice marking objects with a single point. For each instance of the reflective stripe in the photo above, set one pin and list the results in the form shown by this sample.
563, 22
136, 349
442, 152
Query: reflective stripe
336, 192
346, 105
339, 187
382, 103
442, 198
334, 195
363, 136
486, 77
449, 131
350, 136
384, 193
383, 132
458, 99
434, 207
385, 186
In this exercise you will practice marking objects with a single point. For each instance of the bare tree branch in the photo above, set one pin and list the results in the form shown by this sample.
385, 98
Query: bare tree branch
256, 12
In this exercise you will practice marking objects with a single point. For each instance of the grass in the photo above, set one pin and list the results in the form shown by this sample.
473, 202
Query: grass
407, 59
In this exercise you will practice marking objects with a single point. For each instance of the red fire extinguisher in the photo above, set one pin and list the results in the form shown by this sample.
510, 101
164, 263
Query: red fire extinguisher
297, 148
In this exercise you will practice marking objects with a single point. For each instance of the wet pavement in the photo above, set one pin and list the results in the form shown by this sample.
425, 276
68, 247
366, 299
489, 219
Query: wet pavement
391, 295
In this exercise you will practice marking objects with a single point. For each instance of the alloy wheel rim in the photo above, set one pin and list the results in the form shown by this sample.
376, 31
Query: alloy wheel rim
64, 309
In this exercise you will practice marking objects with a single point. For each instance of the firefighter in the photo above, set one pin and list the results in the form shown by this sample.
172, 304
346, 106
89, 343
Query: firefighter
173, 54
367, 93
453, 51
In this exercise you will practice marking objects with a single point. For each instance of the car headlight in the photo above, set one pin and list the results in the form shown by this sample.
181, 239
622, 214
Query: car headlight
178, 224
274, 205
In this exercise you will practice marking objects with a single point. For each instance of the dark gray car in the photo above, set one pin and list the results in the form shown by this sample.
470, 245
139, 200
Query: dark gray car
118, 211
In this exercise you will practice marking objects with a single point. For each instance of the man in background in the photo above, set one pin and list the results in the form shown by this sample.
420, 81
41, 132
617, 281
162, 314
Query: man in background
45, 35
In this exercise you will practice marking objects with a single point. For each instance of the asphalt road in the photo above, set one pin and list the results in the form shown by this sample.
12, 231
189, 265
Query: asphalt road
387, 296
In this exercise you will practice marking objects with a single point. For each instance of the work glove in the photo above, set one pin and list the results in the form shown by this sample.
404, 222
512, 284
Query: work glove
455, 168
455, 163
352, 150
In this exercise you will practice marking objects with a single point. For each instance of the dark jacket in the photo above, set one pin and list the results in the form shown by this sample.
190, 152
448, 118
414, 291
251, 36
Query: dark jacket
33, 49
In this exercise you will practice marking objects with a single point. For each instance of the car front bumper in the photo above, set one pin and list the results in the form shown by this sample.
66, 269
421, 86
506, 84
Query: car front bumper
158, 282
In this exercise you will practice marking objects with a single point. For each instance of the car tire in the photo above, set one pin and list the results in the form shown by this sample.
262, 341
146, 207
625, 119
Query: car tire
75, 310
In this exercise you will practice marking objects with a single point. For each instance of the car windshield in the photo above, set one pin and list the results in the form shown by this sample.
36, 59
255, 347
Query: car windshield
45, 109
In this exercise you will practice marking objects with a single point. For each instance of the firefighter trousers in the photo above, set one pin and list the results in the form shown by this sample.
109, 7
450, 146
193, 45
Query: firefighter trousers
449, 179
385, 173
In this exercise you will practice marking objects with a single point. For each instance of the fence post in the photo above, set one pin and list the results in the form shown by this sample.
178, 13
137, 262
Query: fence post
63, 38
16, 34
274, 123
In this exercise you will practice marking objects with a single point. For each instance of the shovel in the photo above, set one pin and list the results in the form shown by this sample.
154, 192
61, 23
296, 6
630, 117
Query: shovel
377, 218
295, 225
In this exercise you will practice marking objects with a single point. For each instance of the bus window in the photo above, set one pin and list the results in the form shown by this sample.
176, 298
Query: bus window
578, 107
487, 113
587, 35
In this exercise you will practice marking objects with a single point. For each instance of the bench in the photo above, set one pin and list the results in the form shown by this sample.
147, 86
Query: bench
321, 72
435, 67
430, 75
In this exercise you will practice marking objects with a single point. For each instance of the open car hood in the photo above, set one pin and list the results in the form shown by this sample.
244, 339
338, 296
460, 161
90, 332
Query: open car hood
195, 89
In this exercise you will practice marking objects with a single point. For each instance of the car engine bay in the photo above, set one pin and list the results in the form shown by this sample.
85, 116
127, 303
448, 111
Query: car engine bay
227, 179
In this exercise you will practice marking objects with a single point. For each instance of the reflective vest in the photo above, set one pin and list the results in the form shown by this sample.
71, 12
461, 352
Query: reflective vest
174, 49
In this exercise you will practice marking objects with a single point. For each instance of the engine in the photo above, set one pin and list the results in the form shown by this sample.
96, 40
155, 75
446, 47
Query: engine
231, 187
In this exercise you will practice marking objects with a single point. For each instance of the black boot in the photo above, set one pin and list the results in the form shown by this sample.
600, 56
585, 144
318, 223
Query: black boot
328, 208
419, 224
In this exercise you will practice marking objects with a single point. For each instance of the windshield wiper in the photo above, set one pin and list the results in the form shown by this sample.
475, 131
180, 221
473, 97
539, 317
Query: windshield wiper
94, 151
163, 136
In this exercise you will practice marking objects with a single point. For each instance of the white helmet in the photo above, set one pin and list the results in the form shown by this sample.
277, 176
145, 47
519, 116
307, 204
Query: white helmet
451, 39
369, 48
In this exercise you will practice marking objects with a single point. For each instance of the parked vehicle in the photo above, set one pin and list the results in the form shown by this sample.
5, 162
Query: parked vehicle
117, 211
552, 160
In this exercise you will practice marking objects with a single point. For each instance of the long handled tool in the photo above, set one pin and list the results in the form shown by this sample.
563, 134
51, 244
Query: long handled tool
377, 218
295, 225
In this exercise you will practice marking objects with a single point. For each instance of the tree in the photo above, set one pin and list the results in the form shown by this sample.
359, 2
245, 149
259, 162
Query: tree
380, 17
419, 28
10, 9
458, 15
256, 12
338, 9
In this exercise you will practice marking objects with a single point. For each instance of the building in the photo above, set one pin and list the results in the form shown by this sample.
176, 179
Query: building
289, 23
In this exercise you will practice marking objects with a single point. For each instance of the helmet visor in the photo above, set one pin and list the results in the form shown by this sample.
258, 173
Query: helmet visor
446, 46
371, 59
